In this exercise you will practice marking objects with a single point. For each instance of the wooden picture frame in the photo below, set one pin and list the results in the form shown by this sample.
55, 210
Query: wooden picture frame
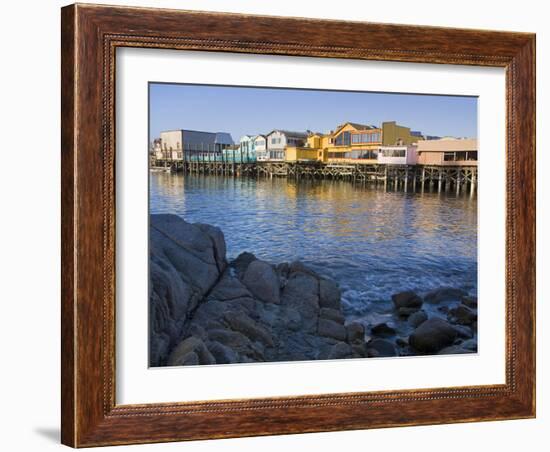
90, 36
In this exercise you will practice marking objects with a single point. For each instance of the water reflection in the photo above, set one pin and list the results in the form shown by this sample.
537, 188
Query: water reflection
373, 242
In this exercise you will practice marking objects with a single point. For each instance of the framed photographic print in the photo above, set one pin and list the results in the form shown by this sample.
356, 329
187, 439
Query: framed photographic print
281, 225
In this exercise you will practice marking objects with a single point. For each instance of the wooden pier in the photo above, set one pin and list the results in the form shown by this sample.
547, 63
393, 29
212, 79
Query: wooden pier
397, 177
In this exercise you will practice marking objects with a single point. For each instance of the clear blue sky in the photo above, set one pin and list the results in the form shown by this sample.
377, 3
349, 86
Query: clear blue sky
241, 111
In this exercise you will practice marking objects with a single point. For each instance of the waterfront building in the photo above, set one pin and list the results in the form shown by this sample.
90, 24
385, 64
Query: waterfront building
448, 151
260, 147
231, 154
157, 151
278, 140
360, 143
394, 134
315, 149
305, 154
397, 155
352, 142
247, 150
194, 144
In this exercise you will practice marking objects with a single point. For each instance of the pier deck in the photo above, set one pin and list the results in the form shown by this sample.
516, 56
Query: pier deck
445, 177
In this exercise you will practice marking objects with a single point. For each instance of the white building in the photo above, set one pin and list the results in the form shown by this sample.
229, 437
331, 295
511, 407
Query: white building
260, 145
397, 155
278, 140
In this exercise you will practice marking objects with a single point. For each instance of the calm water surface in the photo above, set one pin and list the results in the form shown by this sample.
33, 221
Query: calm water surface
373, 242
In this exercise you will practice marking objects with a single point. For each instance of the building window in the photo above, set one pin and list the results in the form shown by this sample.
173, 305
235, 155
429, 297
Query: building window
393, 152
344, 139
449, 156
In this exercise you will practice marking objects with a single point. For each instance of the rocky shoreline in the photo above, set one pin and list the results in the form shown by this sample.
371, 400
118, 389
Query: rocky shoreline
206, 310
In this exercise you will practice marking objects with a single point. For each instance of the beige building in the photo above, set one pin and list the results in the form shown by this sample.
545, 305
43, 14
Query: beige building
448, 151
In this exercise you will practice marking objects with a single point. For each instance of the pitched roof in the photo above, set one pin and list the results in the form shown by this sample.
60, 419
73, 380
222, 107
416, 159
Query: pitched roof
290, 133
355, 125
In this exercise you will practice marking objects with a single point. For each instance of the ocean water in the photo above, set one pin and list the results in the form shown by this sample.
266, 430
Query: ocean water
372, 241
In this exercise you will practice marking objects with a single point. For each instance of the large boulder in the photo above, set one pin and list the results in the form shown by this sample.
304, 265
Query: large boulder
417, 318
302, 293
332, 314
241, 263
407, 300
355, 332
383, 330
340, 350
444, 294
433, 335
185, 262
462, 315
262, 280
251, 329
330, 328
329, 294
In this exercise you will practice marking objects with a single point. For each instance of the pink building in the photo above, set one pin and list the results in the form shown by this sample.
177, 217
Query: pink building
448, 151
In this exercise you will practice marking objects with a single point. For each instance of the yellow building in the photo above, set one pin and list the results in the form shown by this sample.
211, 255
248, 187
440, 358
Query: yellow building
354, 143
305, 154
394, 134
351, 143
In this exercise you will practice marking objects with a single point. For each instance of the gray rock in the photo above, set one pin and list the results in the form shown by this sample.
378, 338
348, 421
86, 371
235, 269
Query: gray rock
229, 288
359, 349
283, 270
238, 342
245, 325
402, 342
241, 263
222, 353
218, 241
262, 280
180, 355
444, 294
417, 318
355, 332
406, 312
462, 315
329, 294
176, 247
332, 329
231, 339
463, 332
299, 267
339, 351
433, 335
250, 311
332, 314
382, 330
469, 301
381, 348
302, 293
407, 299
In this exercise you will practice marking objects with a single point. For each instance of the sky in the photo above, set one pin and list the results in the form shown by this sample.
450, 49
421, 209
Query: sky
252, 111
